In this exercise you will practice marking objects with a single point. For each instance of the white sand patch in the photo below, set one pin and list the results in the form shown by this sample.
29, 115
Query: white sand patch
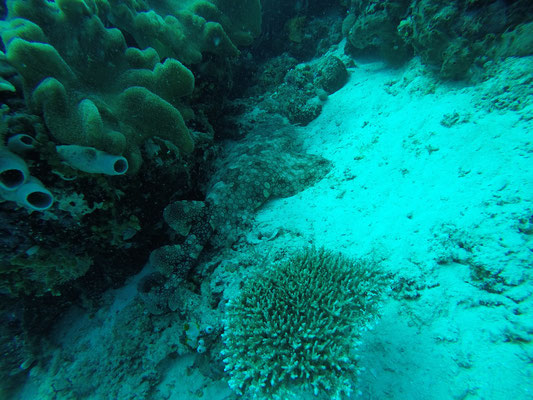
441, 190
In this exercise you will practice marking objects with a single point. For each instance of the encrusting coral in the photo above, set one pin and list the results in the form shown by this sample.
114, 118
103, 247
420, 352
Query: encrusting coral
293, 330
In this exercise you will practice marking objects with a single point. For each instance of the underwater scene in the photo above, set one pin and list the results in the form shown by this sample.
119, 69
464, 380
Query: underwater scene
266, 200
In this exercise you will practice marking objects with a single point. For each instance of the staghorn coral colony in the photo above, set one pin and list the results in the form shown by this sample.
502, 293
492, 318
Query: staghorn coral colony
139, 139
294, 329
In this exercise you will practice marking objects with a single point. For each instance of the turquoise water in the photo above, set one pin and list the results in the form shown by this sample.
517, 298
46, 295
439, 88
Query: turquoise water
266, 200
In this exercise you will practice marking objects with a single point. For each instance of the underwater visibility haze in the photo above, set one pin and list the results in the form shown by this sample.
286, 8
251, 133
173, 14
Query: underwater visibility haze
266, 200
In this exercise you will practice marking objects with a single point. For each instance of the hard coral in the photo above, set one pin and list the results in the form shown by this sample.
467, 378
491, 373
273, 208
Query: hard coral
293, 331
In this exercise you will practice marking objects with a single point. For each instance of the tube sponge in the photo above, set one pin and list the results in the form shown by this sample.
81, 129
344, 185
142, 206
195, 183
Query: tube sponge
21, 143
17, 185
31, 195
93, 161
34, 196
13, 171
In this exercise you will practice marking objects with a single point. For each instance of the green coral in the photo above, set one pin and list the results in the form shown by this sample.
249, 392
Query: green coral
293, 331
94, 90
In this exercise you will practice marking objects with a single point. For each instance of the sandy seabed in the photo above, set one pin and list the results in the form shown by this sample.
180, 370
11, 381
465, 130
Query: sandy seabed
434, 181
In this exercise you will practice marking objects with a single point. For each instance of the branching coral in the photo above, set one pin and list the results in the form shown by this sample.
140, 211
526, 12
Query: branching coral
294, 330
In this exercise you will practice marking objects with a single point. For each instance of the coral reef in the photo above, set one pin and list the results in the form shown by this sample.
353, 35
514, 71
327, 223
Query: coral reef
16, 183
452, 37
187, 29
373, 24
454, 245
497, 94
85, 67
132, 352
245, 176
302, 29
95, 91
15, 354
294, 328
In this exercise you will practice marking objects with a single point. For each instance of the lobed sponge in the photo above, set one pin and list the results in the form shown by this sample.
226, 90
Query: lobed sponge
90, 87
187, 29
95, 91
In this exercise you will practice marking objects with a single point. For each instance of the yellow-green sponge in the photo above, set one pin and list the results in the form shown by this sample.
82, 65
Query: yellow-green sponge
91, 89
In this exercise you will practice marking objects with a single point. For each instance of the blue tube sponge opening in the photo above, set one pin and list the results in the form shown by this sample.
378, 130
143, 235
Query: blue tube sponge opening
39, 200
13, 170
11, 178
34, 196
120, 166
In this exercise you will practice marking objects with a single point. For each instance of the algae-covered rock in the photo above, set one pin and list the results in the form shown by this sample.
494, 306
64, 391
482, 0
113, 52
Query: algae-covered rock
331, 74
449, 36
516, 43
298, 96
41, 270
257, 170
372, 25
